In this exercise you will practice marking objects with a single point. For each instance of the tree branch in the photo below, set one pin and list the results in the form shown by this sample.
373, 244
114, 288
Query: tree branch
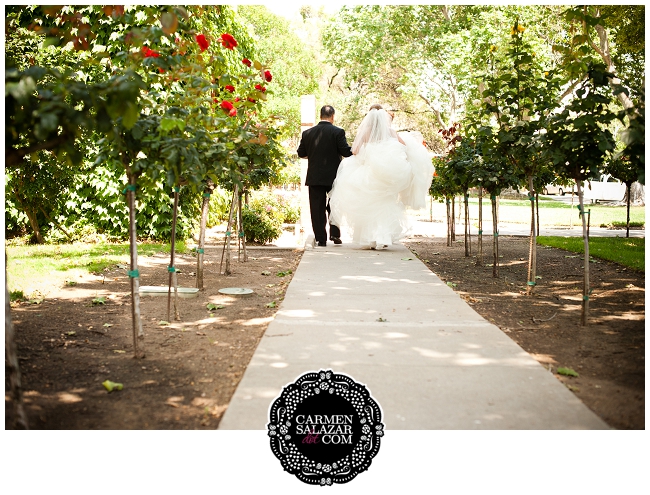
435, 111
14, 157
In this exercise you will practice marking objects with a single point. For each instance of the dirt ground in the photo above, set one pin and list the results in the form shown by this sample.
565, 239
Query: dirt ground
67, 346
608, 354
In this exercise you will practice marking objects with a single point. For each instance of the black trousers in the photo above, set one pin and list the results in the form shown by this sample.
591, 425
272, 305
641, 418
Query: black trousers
320, 209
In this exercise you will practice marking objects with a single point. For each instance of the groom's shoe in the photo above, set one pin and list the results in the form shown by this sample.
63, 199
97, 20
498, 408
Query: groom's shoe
337, 240
321, 244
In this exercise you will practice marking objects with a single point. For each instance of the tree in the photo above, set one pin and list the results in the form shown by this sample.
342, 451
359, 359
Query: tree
295, 69
520, 94
578, 142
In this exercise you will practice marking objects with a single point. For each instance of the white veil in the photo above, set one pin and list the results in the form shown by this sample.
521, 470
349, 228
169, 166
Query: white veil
374, 127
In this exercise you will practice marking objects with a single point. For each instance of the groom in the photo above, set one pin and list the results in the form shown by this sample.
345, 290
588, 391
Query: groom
323, 145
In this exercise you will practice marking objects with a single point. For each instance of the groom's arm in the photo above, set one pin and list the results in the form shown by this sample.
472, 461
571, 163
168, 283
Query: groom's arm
342, 145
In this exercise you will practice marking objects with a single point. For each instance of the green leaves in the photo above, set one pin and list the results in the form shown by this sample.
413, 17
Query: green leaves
169, 123
567, 372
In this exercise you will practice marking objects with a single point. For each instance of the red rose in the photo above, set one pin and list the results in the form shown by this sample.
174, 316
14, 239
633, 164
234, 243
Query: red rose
148, 52
259, 87
233, 112
228, 41
226, 105
246, 62
252, 100
203, 43
229, 88
268, 76
237, 99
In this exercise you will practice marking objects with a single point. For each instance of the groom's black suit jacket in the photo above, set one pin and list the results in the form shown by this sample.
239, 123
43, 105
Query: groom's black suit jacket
323, 145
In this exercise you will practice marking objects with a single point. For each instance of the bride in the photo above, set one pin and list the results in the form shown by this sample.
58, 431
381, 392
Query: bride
386, 173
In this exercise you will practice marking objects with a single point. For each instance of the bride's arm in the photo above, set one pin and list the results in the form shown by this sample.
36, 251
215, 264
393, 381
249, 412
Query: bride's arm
394, 134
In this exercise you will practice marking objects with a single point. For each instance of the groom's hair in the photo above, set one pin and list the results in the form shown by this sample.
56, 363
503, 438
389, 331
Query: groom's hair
376, 106
327, 112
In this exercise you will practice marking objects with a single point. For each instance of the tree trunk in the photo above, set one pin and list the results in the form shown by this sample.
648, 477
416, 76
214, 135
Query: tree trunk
173, 280
468, 248
33, 222
495, 236
532, 251
585, 237
242, 234
449, 221
453, 218
537, 209
629, 197
479, 257
233, 206
55, 223
205, 208
134, 274
12, 367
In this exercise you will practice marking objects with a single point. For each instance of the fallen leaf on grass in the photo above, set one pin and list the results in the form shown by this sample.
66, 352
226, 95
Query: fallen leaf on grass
451, 284
163, 323
119, 351
72, 332
283, 274
381, 320
212, 307
108, 324
272, 304
567, 372
99, 300
266, 272
407, 259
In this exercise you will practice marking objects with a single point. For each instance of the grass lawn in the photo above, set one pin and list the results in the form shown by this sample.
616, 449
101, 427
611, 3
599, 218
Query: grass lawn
552, 213
29, 266
628, 252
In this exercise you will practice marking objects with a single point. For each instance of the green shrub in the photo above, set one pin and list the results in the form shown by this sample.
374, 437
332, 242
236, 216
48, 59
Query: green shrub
219, 207
268, 202
260, 223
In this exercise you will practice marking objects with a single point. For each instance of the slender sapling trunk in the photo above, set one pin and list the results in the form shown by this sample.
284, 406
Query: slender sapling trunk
479, 257
205, 209
495, 236
134, 274
585, 291
173, 281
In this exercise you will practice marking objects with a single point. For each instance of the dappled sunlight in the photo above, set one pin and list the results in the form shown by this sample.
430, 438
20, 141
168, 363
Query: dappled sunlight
474, 359
431, 353
297, 313
257, 321
544, 358
375, 279
279, 365
68, 398
395, 335
317, 294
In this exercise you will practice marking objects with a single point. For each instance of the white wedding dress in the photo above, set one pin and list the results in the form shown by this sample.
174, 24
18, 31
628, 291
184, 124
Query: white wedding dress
374, 186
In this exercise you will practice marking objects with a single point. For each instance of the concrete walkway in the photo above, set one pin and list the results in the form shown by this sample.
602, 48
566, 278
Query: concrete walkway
428, 359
